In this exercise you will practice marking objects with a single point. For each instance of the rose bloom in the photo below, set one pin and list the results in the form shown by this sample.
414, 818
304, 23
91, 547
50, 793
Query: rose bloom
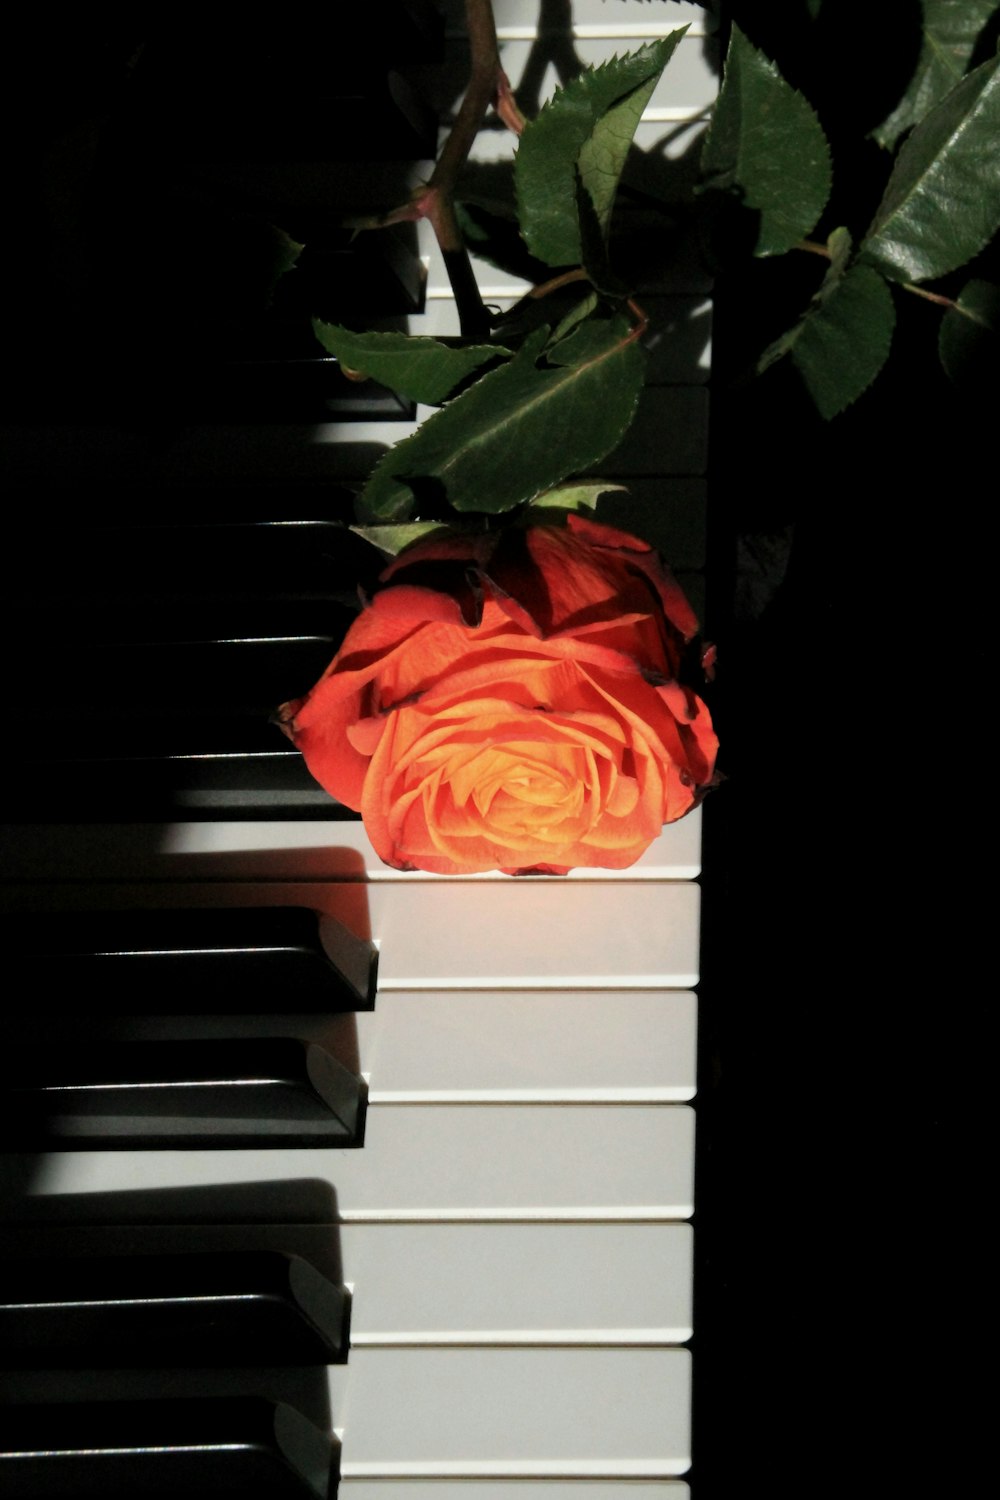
511, 702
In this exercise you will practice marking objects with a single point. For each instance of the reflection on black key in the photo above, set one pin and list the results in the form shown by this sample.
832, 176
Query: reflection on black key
246, 1307
269, 1092
163, 1450
189, 961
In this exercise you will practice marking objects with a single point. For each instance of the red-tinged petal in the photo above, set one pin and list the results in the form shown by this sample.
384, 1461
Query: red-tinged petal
597, 534
510, 702
641, 556
467, 547
365, 735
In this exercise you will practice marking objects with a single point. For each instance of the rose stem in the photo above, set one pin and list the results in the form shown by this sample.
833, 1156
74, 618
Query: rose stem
488, 84
918, 291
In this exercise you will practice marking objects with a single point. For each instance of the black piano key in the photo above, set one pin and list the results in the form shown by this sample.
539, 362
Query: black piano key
178, 1095
185, 639
159, 1450
164, 788
190, 961
212, 1309
178, 697
294, 383
157, 165
235, 543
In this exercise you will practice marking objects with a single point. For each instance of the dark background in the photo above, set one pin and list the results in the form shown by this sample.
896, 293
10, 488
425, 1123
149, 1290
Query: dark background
847, 1081
842, 1184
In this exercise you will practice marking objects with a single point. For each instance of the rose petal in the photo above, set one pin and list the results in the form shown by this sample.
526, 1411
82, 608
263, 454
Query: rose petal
510, 701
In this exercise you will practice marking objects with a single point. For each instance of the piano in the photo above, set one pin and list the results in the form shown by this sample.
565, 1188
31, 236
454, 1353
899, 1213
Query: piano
432, 1171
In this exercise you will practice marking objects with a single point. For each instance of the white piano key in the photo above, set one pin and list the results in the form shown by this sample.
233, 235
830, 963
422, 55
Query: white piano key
439, 318
500, 288
606, 1413
518, 1283
453, 1283
511, 1047
445, 1162
281, 452
668, 138
583, 936
598, 18
353, 1488
497, 287
341, 850
586, 936
686, 87
491, 1046
336, 850
462, 1284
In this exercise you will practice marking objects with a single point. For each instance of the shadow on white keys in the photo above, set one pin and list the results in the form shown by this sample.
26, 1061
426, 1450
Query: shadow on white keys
511, 1229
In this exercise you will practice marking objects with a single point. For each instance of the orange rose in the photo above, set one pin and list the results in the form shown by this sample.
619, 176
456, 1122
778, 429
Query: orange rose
511, 702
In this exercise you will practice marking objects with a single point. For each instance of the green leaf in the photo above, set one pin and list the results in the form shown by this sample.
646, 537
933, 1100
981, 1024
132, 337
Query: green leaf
842, 341
594, 247
419, 368
766, 144
586, 341
583, 496
603, 155
491, 233
576, 314
392, 539
845, 343
589, 125
969, 341
516, 432
942, 202
286, 252
950, 29
839, 246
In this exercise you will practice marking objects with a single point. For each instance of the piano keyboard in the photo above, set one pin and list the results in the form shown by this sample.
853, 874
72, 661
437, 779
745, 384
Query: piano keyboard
503, 1239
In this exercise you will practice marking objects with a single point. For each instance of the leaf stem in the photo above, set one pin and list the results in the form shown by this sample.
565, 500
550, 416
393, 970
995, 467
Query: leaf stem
814, 248
563, 279
506, 105
918, 291
908, 286
641, 323
921, 291
488, 84
484, 86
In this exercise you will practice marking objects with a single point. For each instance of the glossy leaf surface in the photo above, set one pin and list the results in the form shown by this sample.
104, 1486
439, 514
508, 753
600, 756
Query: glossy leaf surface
587, 127
843, 339
950, 29
517, 431
582, 496
420, 369
766, 145
942, 202
969, 341
602, 156
392, 539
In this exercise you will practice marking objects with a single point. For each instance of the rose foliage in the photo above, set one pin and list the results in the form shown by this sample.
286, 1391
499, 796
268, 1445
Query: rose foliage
512, 701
